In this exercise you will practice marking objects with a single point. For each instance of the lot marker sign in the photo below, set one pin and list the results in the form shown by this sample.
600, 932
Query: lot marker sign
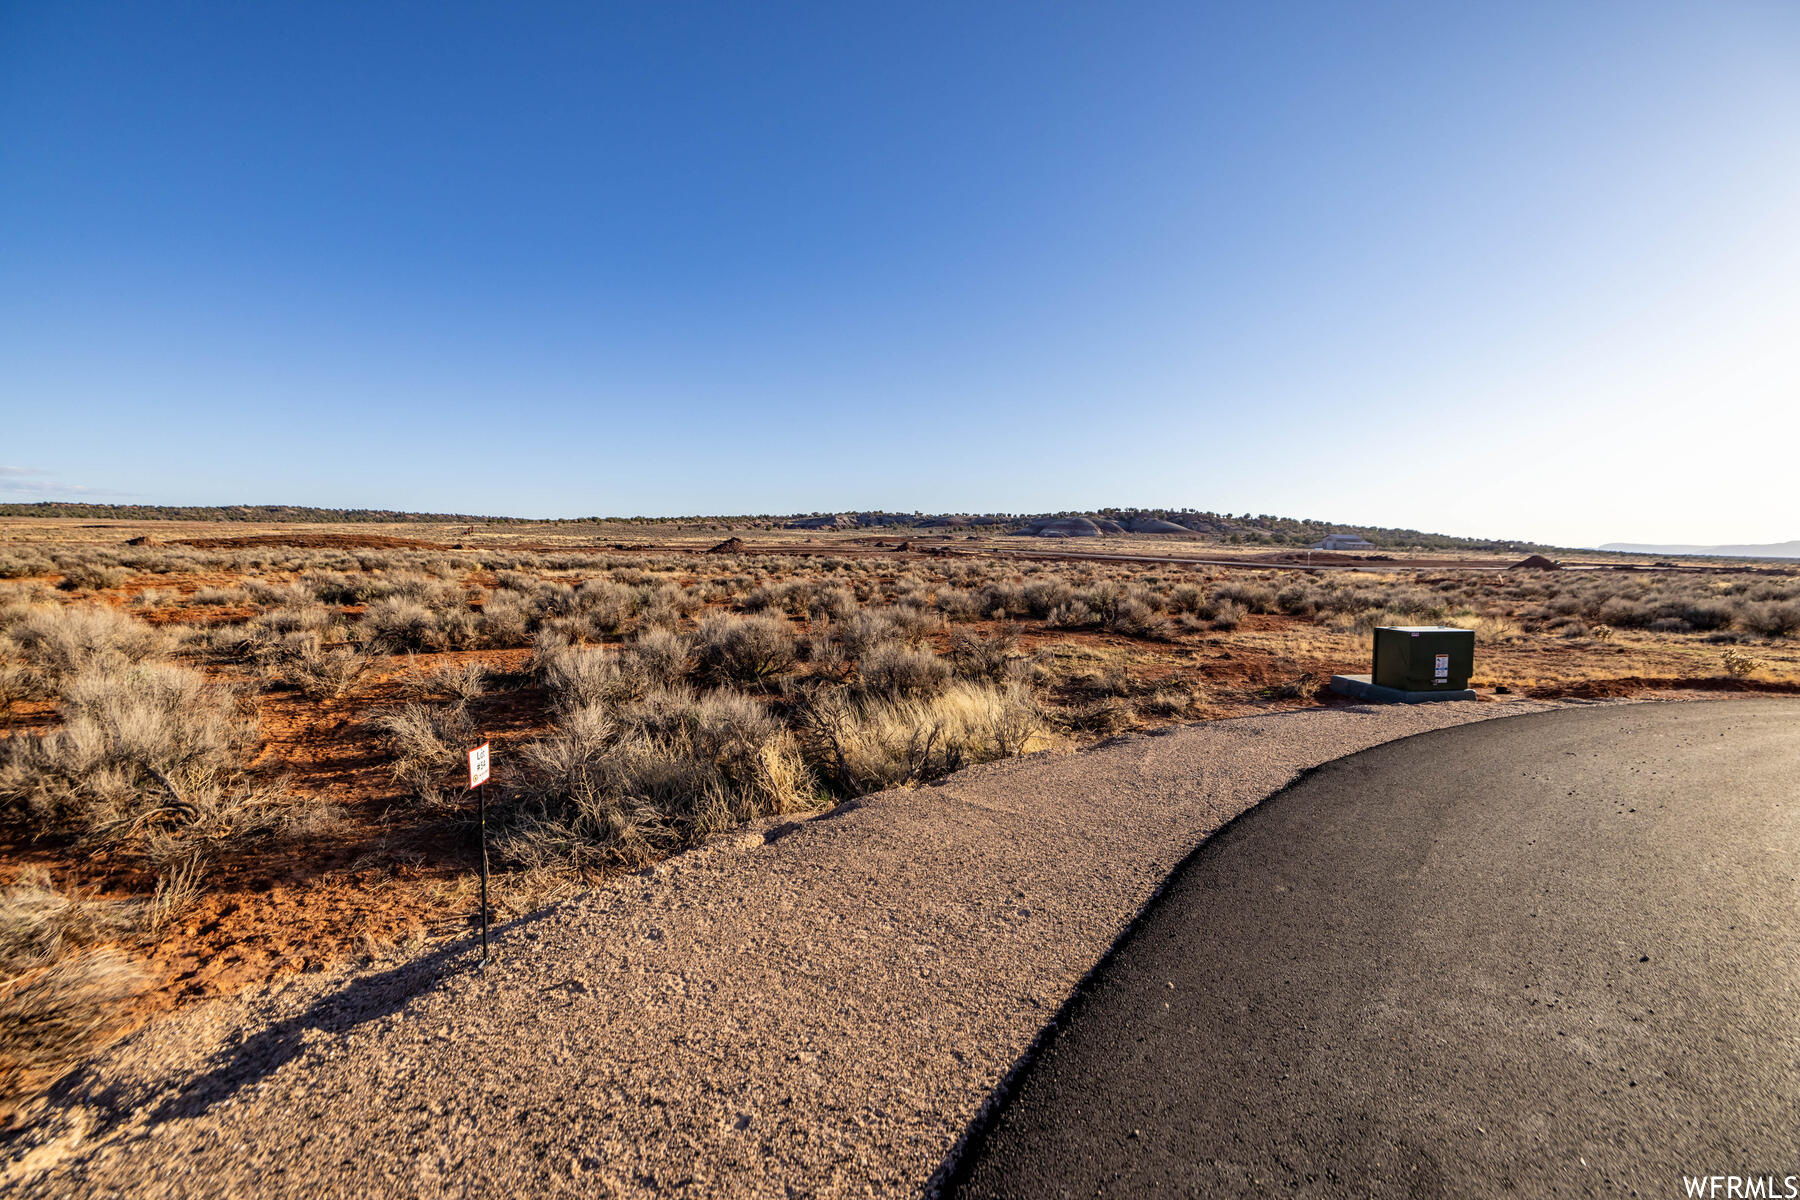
478, 777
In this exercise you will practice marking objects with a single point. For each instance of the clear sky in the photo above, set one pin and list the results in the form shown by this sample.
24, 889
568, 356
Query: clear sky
1508, 269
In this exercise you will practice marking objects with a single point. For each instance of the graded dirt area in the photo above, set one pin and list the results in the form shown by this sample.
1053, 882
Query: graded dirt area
816, 1007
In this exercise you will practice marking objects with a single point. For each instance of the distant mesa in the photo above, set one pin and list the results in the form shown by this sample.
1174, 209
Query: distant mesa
1062, 527
1536, 562
1154, 525
864, 520
877, 520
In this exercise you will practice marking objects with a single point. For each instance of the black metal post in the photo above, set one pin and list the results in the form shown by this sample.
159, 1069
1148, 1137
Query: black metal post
482, 793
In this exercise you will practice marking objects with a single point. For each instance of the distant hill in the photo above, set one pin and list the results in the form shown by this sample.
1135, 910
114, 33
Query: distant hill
1263, 529
1245, 529
1770, 550
230, 512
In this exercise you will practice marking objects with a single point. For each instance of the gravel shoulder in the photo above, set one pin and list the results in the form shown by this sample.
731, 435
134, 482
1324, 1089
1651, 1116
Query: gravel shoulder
816, 1008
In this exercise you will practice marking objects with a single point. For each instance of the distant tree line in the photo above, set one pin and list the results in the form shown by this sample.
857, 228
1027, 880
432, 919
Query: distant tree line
1240, 529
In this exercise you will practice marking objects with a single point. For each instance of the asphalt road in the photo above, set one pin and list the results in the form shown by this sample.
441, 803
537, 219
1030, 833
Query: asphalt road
1557, 954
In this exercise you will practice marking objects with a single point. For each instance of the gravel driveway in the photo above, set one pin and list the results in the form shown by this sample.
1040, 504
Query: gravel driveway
811, 1009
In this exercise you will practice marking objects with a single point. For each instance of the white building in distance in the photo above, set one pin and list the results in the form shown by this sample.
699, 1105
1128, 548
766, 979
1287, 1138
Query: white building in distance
1344, 541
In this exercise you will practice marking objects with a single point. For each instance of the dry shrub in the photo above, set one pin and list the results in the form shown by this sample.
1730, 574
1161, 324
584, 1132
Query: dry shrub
863, 632
1248, 596
1227, 615
16, 683
1186, 598
752, 649
1490, 630
90, 577
658, 657
176, 891
154, 749
460, 683
984, 658
1303, 686
1167, 702
631, 781
1134, 618
604, 605
59, 642
580, 676
864, 745
894, 671
319, 671
429, 744
1041, 597
1073, 615
506, 620
912, 623
396, 624
957, 604
1102, 717
1770, 619
1740, 665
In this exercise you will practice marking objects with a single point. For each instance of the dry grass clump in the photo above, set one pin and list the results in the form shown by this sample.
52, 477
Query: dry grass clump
626, 782
40, 925
455, 683
865, 744
319, 671
57, 996
53, 1016
148, 752
1223, 614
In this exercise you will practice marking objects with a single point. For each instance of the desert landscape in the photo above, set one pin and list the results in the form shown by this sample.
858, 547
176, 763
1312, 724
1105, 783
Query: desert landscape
955, 601
234, 749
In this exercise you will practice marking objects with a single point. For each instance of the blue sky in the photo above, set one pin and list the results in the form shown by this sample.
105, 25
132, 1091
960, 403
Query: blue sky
1500, 269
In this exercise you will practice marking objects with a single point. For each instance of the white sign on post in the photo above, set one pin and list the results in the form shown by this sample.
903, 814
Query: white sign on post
478, 765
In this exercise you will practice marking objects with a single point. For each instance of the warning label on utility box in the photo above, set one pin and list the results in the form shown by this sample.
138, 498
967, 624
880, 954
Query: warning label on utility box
1443, 667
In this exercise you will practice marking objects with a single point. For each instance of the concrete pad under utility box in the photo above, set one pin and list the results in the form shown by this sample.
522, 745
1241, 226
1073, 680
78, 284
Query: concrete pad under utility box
1362, 687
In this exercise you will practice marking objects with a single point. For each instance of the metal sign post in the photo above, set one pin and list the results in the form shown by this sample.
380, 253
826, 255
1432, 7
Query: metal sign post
478, 777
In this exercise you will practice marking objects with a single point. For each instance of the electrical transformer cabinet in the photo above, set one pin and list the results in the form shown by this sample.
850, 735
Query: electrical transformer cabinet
1423, 658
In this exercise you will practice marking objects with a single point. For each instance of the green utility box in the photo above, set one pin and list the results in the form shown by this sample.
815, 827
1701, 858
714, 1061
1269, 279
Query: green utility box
1423, 658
